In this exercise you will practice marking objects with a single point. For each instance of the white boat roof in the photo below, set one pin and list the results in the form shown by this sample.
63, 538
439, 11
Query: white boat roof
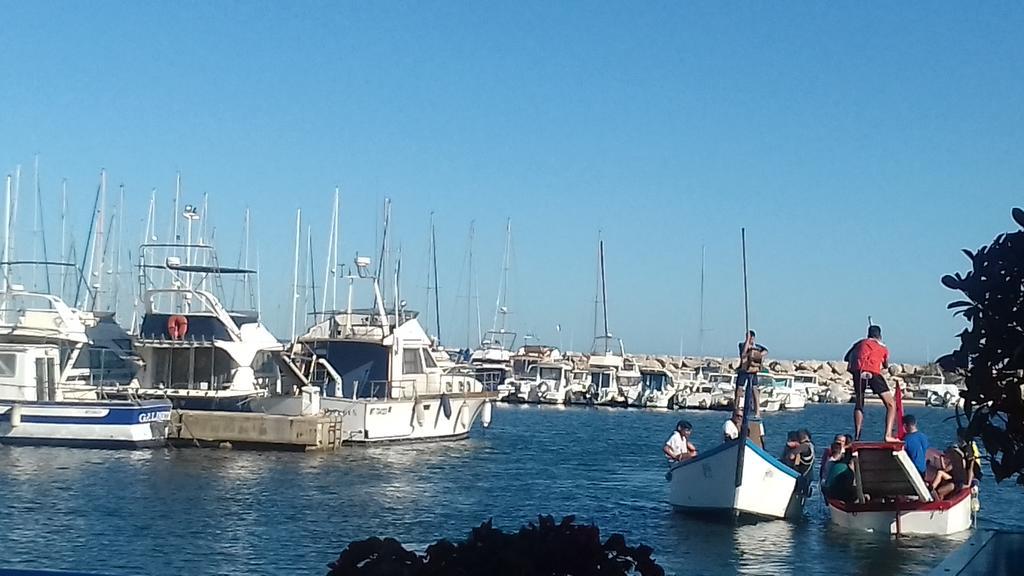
887, 471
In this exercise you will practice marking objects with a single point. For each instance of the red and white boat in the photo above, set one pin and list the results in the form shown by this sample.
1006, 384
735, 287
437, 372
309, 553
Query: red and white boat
893, 498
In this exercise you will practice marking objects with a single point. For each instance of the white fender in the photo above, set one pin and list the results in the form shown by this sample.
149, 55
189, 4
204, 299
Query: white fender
464, 415
485, 416
421, 417
15, 415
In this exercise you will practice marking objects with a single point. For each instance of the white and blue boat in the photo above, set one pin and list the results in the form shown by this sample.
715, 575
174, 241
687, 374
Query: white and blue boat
737, 478
41, 338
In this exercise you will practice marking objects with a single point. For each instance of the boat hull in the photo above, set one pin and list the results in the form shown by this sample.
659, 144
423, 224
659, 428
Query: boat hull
381, 421
707, 484
141, 424
940, 518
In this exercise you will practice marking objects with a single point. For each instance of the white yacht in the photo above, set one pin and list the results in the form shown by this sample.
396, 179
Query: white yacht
375, 367
41, 340
194, 350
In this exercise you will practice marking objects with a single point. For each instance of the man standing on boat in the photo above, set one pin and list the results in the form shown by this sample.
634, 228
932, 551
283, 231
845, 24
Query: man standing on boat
752, 357
867, 358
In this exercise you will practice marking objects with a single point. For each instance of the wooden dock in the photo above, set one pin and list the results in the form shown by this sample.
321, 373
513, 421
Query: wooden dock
987, 552
254, 431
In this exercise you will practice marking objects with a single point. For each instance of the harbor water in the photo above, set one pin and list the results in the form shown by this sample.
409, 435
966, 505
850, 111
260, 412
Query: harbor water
192, 511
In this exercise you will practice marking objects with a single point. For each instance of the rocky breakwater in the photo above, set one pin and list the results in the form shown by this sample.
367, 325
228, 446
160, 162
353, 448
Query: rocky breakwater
831, 374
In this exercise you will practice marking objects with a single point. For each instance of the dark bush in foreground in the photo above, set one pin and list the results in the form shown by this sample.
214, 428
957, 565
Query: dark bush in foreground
544, 549
991, 352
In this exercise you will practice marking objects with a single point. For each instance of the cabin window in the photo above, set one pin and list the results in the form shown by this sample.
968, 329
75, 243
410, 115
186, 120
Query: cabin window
411, 361
601, 379
8, 365
428, 359
551, 374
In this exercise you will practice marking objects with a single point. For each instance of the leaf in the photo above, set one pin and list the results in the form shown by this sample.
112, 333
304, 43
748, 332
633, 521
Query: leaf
959, 304
1018, 216
951, 282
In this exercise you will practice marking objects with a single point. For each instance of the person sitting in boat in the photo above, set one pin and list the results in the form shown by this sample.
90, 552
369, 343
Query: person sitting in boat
827, 458
866, 359
839, 482
971, 455
678, 448
752, 359
915, 443
731, 429
799, 451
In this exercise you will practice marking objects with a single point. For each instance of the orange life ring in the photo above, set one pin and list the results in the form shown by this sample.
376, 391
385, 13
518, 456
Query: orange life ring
177, 327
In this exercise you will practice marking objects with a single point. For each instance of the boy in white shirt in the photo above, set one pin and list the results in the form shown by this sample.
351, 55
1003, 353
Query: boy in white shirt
678, 448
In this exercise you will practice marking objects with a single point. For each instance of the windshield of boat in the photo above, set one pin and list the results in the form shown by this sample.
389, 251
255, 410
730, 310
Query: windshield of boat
654, 381
524, 367
805, 379
550, 373
720, 379
779, 382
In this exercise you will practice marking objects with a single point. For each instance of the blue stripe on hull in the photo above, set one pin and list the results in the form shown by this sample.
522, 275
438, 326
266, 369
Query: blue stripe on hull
80, 443
118, 414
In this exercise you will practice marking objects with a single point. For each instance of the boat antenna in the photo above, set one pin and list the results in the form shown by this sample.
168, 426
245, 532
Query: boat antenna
748, 395
88, 247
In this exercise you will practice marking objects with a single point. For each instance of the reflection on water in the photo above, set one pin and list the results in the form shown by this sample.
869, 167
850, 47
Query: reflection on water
224, 512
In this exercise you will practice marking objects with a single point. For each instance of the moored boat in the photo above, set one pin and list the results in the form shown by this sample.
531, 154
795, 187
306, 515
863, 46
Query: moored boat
41, 340
375, 367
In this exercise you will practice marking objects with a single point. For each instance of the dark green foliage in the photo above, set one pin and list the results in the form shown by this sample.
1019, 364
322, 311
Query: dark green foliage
991, 353
543, 549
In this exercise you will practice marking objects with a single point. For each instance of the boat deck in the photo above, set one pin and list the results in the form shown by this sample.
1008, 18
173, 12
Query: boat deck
987, 552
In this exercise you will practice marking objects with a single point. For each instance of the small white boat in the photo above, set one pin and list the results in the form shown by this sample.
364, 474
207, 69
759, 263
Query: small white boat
735, 478
780, 388
810, 385
892, 498
526, 381
662, 388
704, 396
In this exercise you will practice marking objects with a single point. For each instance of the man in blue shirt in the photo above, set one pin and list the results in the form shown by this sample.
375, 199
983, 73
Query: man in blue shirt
915, 443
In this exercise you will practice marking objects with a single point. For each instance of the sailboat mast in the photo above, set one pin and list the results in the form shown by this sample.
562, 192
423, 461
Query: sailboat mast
174, 213
96, 262
7, 231
499, 305
437, 298
700, 328
246, 288
295, 272
604, 301
63, 232
330, 251
334, 258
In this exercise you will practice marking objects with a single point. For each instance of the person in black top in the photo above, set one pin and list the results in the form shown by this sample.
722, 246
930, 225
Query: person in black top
752, 359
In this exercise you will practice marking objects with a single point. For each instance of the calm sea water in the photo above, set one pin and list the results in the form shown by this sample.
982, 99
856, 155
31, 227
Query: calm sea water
221, 512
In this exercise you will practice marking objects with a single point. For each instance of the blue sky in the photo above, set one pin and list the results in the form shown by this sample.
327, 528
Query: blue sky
861, 145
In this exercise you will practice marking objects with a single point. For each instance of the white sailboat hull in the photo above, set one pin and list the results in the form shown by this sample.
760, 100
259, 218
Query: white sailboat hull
934, 518
707, 484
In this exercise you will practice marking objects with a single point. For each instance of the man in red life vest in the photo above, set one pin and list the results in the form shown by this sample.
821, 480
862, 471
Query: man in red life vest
867, 359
